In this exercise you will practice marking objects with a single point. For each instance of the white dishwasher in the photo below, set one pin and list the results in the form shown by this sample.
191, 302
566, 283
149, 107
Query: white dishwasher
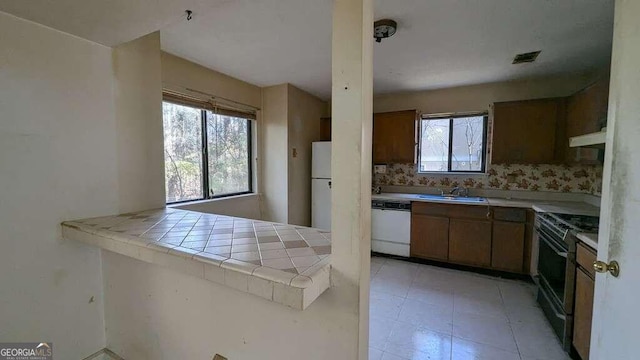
391, 227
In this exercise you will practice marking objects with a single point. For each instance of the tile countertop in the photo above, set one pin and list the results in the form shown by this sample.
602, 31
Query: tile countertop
282, 263
564, 207
591, 239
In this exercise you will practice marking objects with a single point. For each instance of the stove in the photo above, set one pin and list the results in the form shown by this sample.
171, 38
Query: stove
559, 226
557, 266
579, 223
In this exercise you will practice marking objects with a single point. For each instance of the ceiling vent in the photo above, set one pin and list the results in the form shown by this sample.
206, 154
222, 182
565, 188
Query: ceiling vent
526, 57
383, 29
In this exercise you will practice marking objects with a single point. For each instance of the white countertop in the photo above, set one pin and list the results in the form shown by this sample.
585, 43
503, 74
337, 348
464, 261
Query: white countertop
590, 239
568, 207
564, 207
282, 263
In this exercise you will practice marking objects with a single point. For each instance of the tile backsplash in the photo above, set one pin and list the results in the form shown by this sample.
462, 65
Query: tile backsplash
585, 179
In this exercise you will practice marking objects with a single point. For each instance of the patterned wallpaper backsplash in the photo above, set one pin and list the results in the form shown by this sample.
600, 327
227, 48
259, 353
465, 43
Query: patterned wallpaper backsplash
559, 178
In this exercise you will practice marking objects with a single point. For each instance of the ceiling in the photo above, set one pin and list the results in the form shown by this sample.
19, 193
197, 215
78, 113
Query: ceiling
439, 43
106, 22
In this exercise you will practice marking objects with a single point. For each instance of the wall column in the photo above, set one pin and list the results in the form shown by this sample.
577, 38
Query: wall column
352, 99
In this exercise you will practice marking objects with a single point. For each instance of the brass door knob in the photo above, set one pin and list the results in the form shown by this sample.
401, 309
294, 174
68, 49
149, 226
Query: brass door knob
602, 267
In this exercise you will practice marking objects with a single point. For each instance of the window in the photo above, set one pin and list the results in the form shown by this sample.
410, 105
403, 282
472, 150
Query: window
453, 143
207, 154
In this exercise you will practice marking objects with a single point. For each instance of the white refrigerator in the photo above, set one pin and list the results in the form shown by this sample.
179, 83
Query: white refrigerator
321, 185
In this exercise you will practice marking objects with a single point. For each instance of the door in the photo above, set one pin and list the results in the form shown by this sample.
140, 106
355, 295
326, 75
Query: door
470, 242
508, 246
430, 237
321, 160
616, 317
321, 204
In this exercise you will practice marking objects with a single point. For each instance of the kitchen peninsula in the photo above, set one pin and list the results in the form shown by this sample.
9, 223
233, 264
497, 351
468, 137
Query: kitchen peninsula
285, 264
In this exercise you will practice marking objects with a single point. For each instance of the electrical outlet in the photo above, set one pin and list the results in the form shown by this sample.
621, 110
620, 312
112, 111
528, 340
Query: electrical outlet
379, 169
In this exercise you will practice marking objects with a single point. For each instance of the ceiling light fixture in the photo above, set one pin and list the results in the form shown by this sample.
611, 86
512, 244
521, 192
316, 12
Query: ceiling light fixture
383, 29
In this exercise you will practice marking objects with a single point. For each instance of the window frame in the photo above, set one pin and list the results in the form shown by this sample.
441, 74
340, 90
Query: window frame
451, 117
205, 157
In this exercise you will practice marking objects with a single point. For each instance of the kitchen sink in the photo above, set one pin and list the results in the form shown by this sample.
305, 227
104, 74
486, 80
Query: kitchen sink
468, 199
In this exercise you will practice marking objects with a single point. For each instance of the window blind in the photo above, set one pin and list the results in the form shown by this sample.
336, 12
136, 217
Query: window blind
216, 106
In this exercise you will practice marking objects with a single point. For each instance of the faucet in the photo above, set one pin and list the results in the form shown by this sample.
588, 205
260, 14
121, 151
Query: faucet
459, 191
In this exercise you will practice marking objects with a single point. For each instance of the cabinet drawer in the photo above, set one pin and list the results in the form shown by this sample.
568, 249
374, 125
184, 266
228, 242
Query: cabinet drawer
450, 210
585, 257
510, 214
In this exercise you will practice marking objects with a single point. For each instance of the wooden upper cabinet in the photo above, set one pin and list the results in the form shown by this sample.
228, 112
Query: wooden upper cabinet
529, 132
587, 109
587, 113
325, 129
394, 138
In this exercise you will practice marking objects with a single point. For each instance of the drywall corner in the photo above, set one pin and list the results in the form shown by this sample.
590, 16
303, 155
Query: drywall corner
138, 109
274, 129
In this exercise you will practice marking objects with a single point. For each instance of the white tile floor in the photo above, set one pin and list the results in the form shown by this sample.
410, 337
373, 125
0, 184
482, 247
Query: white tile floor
425, 312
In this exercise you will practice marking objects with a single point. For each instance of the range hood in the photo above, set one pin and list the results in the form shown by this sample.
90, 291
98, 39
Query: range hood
593, 140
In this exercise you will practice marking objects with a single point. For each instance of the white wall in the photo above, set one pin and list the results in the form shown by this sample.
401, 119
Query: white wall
304, 113
479, 97
179, 74
156, 313
58, 161
246, 206
290, 120
273, 155
138, 105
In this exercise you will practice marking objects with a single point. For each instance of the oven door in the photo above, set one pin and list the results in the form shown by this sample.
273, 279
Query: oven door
553, 258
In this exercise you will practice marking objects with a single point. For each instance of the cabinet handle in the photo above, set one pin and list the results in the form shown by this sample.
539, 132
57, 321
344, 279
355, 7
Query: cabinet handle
329, 184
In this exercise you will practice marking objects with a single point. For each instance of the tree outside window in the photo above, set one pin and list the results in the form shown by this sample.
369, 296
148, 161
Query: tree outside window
452, 144
207, 155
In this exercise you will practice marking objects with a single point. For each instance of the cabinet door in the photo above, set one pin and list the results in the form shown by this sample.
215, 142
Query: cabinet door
394, 137
528, 132
583, 313
470, 242
586, 112
429, 237
507, 248
325, 129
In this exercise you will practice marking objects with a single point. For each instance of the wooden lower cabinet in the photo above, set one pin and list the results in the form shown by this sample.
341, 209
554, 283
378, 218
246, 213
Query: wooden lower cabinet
429, 237
583, 313
496, 238
583, 303
470, 242
507, 248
